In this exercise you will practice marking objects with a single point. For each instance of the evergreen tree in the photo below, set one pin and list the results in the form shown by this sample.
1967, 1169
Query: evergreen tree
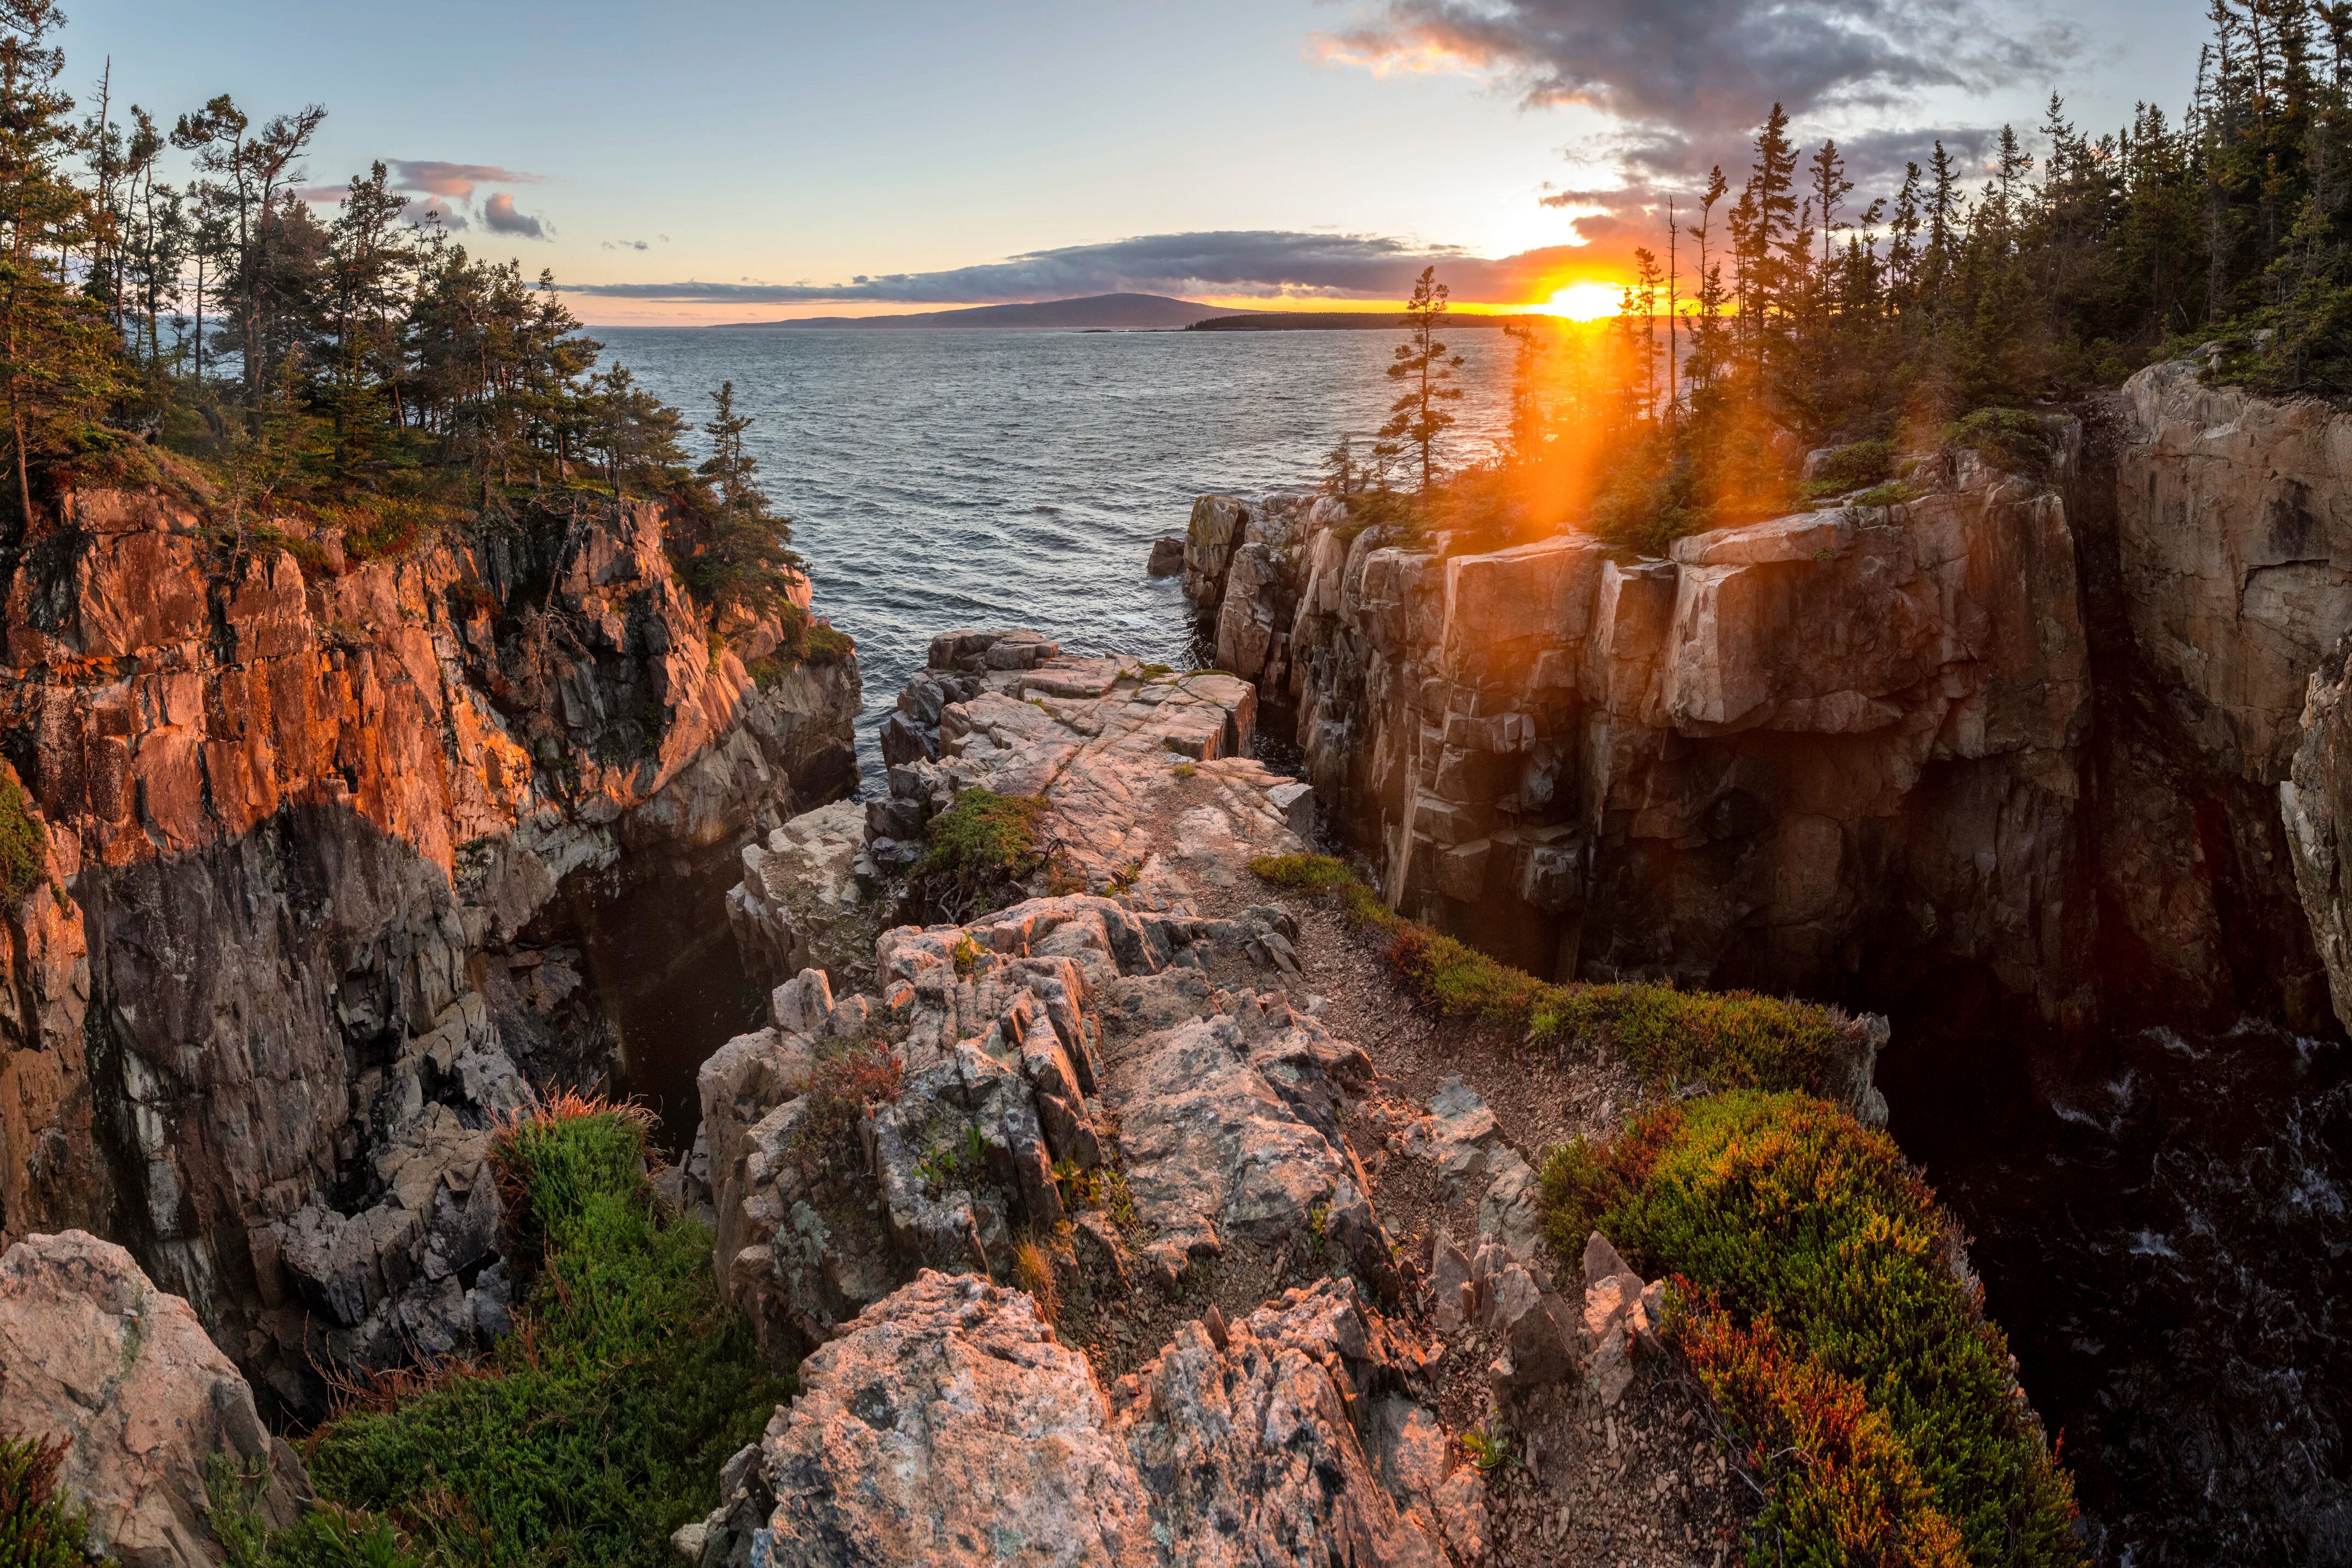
1419, 416
59, 357
741, 561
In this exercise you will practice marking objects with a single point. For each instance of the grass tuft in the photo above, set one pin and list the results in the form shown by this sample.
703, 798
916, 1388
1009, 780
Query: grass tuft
39, 1525
1836, 1329
1033, 1269
1727, 1039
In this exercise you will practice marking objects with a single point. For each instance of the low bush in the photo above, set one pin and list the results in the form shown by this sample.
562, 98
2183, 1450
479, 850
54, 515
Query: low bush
979, 847
1841, 1487
1855, 466
1833, 1325
2009, 438
599, 1424
1728, 1039
828, 646
844, 1084
24, 843
1893, 492
39, 1526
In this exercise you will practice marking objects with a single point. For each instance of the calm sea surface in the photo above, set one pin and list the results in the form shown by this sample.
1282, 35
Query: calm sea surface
938, 479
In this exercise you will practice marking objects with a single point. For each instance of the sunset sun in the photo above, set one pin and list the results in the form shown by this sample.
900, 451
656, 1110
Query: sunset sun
1583, 301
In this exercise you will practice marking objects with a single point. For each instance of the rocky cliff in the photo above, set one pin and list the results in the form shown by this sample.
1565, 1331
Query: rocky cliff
2020, 743
317, 844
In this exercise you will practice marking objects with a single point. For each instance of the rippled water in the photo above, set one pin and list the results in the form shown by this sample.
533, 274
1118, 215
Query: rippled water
994, 478
2169, 1243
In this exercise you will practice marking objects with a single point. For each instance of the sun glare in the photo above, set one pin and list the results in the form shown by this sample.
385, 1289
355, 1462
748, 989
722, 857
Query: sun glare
1584, 301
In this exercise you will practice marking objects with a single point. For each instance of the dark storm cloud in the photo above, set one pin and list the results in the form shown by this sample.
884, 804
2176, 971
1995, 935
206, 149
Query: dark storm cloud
1685, 77
499, 213
1253, 262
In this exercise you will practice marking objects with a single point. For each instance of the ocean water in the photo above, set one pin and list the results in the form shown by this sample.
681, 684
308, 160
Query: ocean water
938, 479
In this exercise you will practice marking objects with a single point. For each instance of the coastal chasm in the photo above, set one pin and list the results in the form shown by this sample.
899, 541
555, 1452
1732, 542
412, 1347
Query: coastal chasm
307, 841
2019, 742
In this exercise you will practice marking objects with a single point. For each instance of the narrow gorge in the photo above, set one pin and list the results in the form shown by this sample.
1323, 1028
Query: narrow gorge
314, 853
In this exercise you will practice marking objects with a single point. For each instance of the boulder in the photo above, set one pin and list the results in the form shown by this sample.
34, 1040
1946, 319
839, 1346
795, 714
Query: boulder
92, 1355
946, 1425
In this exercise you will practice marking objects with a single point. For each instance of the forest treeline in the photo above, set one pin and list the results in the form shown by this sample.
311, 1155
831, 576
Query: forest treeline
361, 361
1786, 312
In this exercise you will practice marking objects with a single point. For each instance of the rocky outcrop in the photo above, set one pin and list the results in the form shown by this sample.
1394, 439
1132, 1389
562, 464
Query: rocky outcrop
2061, 743
1769, 760
948, 1424
2230, 543
318, 825
808, 897
94, 1356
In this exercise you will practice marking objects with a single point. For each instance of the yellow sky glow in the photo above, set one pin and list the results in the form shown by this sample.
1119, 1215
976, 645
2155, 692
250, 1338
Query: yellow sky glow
1586, 301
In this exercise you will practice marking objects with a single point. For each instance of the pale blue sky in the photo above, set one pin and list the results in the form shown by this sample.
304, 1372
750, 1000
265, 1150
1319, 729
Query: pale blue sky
796, 143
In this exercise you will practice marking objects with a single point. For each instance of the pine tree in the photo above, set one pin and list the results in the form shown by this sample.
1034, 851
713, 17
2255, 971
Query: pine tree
741, 563
1418, 416
59, 368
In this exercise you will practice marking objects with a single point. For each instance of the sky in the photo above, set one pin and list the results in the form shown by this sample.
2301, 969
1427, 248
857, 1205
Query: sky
693, 162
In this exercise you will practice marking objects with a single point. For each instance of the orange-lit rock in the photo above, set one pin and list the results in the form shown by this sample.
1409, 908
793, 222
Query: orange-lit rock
299, 817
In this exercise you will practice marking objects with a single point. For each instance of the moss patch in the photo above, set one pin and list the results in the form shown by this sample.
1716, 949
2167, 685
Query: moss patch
600, 1423
24, 841
1829, 1321
1728, 1040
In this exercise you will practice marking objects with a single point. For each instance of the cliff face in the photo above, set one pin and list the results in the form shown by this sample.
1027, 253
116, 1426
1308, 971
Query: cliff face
2017, 743
300, 936
1784, 754
2233, 537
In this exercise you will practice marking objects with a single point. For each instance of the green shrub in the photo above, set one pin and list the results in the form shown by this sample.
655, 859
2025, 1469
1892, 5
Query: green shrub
828, 646
24, 841
1826, 1267
1893, 492
1853, 467
39, 1526
1841, 1487
599, 1424
2009, 438
983, 837
1728, 1039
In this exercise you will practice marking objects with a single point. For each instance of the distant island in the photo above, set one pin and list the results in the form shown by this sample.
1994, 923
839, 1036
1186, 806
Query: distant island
1095, 313
1342, 321
1134, 313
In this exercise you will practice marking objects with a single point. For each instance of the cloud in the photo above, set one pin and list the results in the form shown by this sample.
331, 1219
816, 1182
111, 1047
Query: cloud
1685, 80
626, 245
499, 213
456, 180
432, 207
1260, 263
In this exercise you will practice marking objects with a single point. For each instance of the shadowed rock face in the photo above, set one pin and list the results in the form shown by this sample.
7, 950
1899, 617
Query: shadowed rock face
2014, 750
1787, 749
307, 828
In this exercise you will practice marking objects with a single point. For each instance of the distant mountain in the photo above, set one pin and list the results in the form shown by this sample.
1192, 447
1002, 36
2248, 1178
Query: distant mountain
1095, 313
1344, 321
